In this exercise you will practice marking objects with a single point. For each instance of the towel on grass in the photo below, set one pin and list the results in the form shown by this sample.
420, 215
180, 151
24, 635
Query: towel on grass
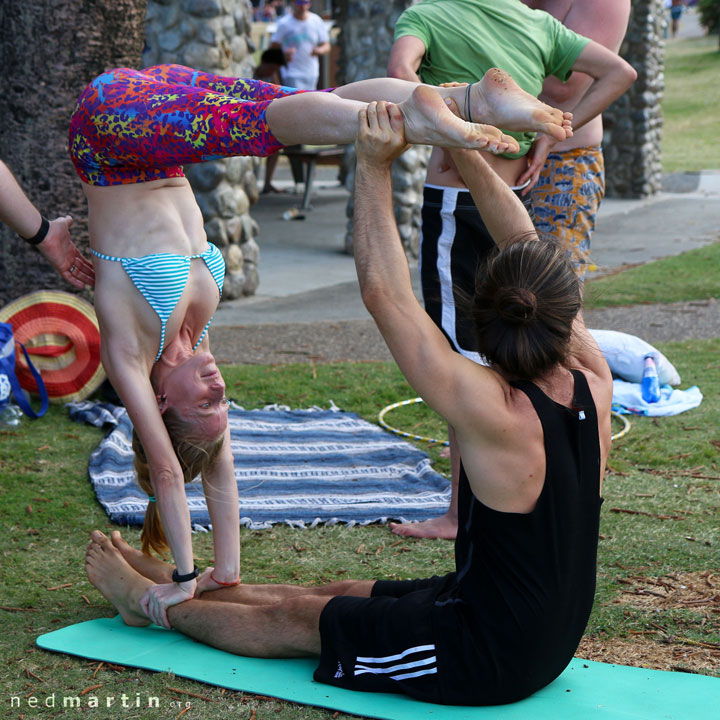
300, 467
628, 399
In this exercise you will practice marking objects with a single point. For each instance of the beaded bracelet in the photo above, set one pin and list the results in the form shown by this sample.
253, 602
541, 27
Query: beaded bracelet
224, 584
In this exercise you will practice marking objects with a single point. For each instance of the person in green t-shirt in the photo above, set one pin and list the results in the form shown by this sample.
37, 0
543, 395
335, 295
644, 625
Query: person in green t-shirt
457, 41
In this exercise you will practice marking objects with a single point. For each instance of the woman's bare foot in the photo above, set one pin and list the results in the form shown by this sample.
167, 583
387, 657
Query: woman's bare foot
497, 99
444, 527
148, 566
428, 121
115, 579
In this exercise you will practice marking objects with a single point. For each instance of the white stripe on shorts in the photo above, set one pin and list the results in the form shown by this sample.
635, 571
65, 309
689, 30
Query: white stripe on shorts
407, 676
444, 257
399, 656
362, 669
426, 665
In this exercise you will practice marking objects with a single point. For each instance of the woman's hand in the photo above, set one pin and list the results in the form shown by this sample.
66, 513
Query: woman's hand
60, 251
159, 598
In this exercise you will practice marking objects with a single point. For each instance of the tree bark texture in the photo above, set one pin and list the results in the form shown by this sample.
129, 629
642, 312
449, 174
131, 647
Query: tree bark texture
49, 51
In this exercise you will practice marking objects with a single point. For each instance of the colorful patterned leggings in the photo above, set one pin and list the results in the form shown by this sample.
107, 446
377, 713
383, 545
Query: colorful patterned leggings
132, 126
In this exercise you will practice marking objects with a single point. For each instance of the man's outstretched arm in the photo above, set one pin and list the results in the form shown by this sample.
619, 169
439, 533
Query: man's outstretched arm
502, 212
452, 385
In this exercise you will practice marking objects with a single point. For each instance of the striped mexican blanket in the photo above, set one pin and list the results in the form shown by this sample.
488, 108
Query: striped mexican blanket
300, 467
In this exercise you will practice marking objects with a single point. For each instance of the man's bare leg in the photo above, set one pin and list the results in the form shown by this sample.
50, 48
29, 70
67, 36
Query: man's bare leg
443, 527
287, 629
284, 629
160, 572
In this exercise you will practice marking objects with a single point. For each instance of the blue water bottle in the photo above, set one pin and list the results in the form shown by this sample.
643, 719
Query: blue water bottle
650, 385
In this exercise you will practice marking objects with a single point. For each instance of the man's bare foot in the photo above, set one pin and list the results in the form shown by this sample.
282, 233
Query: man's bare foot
444, 527
271, 189
115, 579
497, 99
148, 566
428, 121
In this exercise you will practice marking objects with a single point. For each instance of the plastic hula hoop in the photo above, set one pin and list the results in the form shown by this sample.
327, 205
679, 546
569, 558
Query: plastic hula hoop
397, 431
413, 401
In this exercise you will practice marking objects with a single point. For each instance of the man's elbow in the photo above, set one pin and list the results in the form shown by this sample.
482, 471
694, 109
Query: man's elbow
373, 296
400, 71
622, 75
629, 75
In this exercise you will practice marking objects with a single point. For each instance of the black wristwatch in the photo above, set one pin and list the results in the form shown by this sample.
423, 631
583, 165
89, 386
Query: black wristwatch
184, 578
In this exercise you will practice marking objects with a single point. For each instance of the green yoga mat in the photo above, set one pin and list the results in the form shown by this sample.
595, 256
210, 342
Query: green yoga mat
586, 689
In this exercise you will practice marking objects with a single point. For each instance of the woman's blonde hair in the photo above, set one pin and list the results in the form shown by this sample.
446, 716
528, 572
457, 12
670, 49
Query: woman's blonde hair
196, 454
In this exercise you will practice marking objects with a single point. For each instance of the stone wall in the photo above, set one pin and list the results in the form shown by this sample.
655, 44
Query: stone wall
366, 37
214, 36
633, 124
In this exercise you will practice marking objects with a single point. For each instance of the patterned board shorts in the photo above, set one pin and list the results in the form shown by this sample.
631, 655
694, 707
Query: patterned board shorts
133, 126
567, 197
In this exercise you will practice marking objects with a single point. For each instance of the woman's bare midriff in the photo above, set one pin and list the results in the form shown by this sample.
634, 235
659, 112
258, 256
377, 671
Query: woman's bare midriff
161, 216
143, 218
509, 169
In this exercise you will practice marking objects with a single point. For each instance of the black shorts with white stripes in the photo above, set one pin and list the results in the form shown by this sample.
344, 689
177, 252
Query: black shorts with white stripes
454, 243
385, 643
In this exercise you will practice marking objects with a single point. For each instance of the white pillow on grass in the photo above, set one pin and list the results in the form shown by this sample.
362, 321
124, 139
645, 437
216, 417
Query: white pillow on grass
625, 354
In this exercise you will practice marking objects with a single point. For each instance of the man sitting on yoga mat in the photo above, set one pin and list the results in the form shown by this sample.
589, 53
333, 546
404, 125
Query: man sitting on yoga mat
534, 433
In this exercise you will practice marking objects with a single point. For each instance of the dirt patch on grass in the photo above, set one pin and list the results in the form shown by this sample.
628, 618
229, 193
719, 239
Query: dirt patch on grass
657, 648
640, 651
699, 591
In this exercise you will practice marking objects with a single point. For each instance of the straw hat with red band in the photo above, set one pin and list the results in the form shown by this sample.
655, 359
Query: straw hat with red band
60, 332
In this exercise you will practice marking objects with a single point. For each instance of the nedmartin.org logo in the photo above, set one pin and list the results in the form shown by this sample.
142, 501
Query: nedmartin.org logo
78, 701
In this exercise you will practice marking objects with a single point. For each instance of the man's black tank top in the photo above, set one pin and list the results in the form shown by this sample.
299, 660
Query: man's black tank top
526, 582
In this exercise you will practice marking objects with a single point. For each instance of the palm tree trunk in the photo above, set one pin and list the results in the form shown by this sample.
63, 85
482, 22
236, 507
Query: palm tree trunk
49, 51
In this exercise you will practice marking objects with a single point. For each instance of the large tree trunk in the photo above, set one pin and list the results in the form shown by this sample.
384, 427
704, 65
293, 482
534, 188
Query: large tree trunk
49, 51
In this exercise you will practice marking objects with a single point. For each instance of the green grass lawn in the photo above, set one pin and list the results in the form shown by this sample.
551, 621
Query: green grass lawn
692, 275
691, 105
49, 510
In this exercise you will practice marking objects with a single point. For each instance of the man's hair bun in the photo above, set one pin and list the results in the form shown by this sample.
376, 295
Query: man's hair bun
516, 305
